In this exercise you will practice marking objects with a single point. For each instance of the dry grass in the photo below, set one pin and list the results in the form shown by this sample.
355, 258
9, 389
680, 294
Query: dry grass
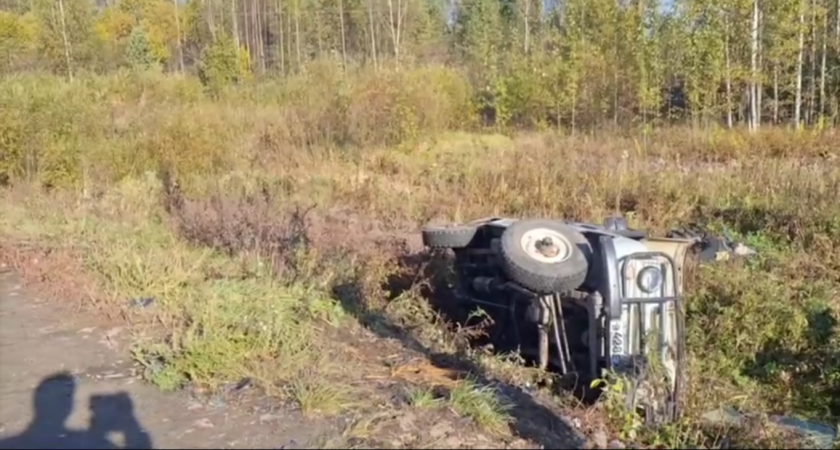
260, 263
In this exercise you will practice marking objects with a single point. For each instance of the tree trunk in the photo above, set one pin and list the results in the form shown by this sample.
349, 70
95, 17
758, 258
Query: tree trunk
527, 26
759, 89
289, 36
281, 37
210, 16
812, 79
178, 32
246, 22
372, 34
319, 29
66, 39
753, 89
396, 16
797, 108
343, 35
297, 33
837, 55
823, 65
260, 33
235, 23
775, 94
728, 78
616, 66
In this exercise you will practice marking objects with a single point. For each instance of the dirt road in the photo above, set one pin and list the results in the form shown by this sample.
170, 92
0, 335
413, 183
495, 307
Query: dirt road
66, 383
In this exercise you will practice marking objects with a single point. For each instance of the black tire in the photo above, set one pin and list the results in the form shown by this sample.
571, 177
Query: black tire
541, 277
448, 236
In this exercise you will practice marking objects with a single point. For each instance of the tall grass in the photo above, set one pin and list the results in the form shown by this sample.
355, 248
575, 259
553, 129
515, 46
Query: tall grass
375, 154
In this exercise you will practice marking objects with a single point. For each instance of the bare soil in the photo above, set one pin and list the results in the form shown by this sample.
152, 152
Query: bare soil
67, 381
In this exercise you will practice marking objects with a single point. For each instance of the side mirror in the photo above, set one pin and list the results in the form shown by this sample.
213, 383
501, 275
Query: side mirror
615, 223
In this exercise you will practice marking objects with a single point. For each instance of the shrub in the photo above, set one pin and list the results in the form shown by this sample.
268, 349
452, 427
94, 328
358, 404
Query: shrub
138, 51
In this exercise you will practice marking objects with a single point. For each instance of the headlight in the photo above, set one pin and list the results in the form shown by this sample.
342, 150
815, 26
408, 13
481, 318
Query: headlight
649, 279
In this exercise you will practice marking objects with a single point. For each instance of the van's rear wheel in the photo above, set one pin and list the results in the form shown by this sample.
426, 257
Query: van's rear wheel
448, 236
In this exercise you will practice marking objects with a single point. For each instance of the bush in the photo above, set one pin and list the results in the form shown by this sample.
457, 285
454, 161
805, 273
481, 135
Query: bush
222, 64
138, 52
391, 107
129, 122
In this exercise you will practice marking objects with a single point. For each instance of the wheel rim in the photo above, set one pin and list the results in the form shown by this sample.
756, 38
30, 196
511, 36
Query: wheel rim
546, 246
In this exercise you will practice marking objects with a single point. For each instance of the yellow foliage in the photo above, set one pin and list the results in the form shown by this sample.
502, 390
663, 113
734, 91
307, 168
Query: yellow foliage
113, 25
244, 64
156, 17
160, 25
18, 34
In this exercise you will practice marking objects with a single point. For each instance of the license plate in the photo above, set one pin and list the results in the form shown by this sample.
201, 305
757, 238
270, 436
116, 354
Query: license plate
618, 332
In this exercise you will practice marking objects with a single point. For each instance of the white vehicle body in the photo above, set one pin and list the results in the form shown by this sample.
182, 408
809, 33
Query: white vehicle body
632, 292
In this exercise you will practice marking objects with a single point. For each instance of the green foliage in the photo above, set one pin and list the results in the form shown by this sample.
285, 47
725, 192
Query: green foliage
156, 17
138, 51
767, 334
17, 39
636, 64
53, 131
53, 154
384, 142
395, 107
525, 99
380, 86
66, 37
221, 65
480, 33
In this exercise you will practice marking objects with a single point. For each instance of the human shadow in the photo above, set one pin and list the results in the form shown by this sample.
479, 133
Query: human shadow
531, 420
52, 407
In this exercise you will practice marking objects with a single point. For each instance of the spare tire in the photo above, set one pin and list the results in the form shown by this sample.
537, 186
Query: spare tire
545, 256
448, 236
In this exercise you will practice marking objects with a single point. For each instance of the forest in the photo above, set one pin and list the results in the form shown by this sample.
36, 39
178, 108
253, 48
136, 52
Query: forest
572, 64
254, 174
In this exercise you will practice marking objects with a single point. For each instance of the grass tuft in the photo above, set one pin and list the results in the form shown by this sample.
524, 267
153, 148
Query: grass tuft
239, 243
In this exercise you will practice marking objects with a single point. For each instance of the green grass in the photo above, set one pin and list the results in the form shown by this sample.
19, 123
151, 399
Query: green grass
223, 319
482, 404
242, 290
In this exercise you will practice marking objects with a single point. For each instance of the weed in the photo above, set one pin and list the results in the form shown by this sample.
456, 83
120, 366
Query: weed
267, 228
480, 403
424, 398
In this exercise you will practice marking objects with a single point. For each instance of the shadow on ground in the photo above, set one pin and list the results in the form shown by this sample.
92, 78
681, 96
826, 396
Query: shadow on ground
530, 419
249, 224
53, 404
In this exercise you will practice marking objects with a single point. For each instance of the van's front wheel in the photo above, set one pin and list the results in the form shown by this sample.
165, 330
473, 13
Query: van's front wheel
544, 256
